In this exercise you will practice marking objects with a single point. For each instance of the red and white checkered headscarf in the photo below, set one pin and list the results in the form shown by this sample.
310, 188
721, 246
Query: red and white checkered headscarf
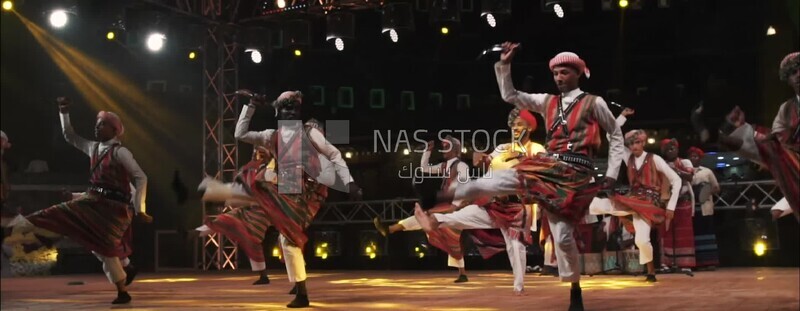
113, 120
572, 59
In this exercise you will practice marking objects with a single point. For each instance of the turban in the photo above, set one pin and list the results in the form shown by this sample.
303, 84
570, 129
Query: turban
288, 96
523, 114
697, 151
454, 142
112, 119
669, 141
631, 136
571, 59
789, 64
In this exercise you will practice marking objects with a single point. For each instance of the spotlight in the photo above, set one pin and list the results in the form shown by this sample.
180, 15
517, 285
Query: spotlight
322, 250
348, 155
445, 30
623, 3
8, 5
495, 10
558, 10
111, 35
490, 20
255, 55
464, 150
771, 31
339, 43
406, 152
760, 248
397, 17
651, 141
155, 41
192, 55
281, 4
58, 18
298, 53
276, 252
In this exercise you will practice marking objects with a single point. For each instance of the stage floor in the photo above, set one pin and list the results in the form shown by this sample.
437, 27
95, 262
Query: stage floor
725, 289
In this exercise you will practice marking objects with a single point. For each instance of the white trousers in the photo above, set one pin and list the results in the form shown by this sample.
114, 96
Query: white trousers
112, 267
549, 253
295, 263
641, 225
475, 217
411, 224
566, 247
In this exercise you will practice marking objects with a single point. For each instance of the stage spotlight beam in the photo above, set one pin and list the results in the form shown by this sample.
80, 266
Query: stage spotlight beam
8, 5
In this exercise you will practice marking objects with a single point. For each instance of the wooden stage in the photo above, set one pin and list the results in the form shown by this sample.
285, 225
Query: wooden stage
725, 289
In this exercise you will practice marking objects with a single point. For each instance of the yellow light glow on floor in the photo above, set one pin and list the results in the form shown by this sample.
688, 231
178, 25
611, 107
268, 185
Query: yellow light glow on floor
167, 280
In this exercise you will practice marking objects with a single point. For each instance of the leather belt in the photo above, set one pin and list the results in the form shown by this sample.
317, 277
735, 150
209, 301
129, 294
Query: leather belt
573, 158
111, 194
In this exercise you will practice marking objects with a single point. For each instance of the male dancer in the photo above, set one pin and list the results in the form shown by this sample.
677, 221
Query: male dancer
446, 239
779, 150
292, 203
99, 218
522, 124
643, 202
559, 181
678, 233
247, 224
705, 238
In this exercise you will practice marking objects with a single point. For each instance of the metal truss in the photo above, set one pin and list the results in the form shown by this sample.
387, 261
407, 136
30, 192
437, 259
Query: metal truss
738, 195
220, 113
362, 212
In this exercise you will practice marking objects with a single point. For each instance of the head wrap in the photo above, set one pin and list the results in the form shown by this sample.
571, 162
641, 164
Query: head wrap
789, 64
112, 119
669, 141
632, 135
454, 142
571, 59
285, 97
523, 114
696, 150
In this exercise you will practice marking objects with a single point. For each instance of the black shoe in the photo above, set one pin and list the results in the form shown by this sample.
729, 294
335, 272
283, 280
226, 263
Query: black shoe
461, 279
262, 280
131, 273
122, 297
383, 229
300, 301
651, 278
294, 290
575, 300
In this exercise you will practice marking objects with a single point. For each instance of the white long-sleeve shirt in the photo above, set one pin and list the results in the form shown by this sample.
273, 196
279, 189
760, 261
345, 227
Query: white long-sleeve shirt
705, 175
536, 102
121, 154
263, 138
461, 169
780, 124
663, 168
